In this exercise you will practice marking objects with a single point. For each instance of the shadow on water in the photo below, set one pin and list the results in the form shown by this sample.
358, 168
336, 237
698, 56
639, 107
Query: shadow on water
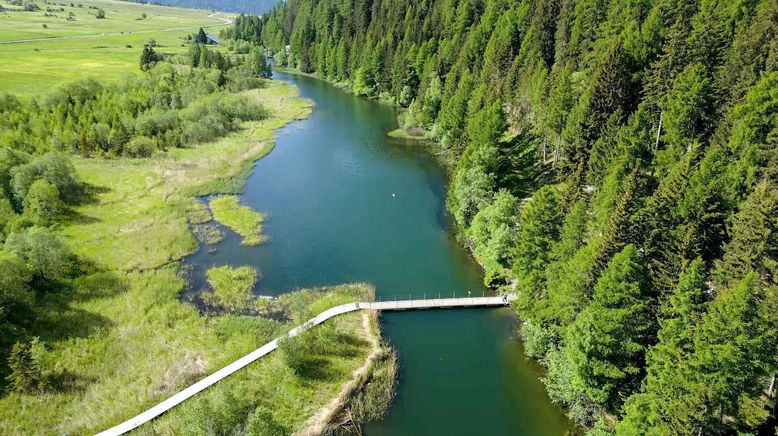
345, 203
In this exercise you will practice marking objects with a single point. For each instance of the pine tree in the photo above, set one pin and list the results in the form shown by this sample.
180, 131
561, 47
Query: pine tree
26, 376
539, 226
753, 245
201, 38
669, 401
148, 58
607, 342
735, 356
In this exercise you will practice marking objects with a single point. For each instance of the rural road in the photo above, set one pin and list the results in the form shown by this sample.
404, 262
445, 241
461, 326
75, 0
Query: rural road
226, 21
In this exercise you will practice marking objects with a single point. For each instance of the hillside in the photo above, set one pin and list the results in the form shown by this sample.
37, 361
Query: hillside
614, 162
245, 6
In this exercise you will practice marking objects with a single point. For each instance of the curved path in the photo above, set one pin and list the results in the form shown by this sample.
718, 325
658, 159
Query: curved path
233, 367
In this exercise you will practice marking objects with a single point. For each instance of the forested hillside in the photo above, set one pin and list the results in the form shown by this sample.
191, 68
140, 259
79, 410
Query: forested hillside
613, 161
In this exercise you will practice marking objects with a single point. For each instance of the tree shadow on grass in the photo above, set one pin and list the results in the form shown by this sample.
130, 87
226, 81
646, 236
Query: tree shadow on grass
60, 321
54, 316
89, 194
317, 369
68, 381
349, 345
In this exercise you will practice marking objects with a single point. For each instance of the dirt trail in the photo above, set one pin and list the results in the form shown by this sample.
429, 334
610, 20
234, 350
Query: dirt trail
320, 419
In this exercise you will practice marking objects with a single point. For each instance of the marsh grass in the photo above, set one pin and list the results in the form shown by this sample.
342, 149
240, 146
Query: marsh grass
207, 233
122, 340
232, 288
269, 391
242, 219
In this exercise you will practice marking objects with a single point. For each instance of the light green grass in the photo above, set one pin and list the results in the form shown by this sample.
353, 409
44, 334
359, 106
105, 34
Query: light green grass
140, 220
35, 67
121, 340
269, 382
232, 287
242, 219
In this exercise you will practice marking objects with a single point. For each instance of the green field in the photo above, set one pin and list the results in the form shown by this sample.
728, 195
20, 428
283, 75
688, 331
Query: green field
122, 339
102, 48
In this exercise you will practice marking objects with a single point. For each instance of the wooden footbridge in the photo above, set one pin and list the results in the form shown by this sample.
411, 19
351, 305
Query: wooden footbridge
391, 305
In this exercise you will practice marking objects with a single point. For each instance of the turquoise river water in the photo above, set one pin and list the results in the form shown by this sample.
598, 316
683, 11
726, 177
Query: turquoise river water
345, 203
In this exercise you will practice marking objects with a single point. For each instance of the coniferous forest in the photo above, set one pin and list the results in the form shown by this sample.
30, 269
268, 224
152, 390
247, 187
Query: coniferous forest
613, 162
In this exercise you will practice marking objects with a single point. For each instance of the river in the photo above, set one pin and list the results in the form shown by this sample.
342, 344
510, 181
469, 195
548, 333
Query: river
345, 203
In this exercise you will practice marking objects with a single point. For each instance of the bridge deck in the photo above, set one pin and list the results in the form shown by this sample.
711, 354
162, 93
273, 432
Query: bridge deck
440, 303
233, 367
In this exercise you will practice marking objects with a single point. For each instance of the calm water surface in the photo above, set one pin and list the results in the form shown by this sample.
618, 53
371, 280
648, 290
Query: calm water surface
345, 203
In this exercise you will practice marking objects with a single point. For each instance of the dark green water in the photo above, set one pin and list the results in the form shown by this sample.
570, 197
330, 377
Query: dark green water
345, 204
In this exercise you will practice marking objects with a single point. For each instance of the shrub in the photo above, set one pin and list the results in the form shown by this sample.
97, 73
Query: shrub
45, 253
140, 146
26, 368
42, 203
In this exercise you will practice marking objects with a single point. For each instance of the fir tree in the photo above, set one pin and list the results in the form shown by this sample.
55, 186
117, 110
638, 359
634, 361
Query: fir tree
607, 342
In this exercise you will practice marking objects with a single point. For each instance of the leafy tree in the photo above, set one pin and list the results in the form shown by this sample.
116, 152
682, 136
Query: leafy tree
100, 14
7, 215
45, 253
42, 202
258, 64
14, 289
493, 236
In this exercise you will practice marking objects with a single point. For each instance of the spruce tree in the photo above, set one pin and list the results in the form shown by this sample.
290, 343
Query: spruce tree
669, 400
606, 344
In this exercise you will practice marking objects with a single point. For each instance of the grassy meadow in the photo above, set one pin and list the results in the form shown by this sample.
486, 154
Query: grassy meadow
140, 221
118, 339
122, 340
84, 46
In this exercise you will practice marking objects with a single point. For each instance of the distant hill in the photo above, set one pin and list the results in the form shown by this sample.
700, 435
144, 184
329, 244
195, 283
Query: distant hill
247, 6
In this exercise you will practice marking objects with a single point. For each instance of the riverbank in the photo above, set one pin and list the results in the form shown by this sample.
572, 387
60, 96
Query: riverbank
122, 340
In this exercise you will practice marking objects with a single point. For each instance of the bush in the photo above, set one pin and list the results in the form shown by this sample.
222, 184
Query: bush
45, 253
140, 146
42, 203
53, 167
26, 367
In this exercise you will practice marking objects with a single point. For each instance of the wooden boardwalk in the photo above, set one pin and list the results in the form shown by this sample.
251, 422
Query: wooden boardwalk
395, 305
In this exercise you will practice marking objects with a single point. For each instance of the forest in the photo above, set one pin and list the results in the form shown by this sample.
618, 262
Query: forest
612, 162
